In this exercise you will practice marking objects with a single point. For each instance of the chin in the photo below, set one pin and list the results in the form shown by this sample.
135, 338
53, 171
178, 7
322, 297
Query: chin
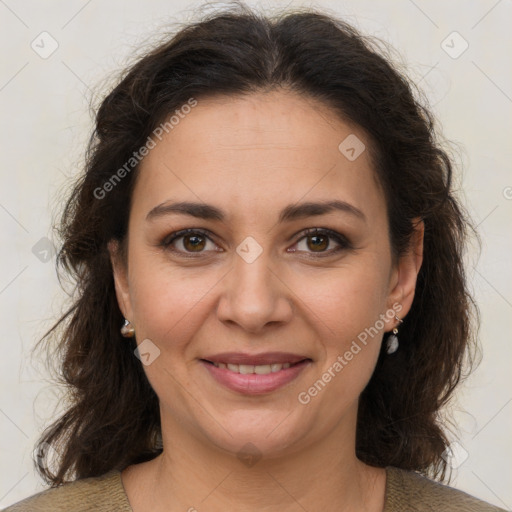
260, 433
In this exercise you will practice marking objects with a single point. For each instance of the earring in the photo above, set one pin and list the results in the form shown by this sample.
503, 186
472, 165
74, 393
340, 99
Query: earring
127, 329
392, 341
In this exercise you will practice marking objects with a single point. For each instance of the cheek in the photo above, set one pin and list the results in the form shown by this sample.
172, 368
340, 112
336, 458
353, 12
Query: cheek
346, 310
345, 301
169, 303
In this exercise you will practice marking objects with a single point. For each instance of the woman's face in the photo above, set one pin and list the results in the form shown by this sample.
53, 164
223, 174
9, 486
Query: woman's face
249, 285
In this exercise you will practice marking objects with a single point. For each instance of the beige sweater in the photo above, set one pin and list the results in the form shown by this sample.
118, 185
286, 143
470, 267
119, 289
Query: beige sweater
405, 492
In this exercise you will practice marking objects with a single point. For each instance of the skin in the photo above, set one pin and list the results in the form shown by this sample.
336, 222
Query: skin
252, 156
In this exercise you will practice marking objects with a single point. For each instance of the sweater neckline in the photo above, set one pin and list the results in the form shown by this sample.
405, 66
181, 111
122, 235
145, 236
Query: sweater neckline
391, 474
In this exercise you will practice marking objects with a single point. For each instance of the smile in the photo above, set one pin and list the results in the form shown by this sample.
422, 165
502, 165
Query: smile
260, 369
254, 379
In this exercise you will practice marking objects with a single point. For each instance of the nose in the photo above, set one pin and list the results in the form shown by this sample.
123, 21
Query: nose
254, 295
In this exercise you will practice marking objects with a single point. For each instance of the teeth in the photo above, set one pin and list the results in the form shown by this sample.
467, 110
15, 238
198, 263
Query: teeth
260, 369
263, 369
246, 368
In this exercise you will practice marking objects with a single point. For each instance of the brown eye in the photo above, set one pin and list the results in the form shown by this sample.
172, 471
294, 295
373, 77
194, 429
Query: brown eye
319, 241
189, 242
194, 243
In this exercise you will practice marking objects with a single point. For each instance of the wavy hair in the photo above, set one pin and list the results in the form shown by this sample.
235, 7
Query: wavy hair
112, 416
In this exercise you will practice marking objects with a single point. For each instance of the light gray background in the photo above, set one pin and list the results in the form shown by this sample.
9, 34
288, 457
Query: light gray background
46, 123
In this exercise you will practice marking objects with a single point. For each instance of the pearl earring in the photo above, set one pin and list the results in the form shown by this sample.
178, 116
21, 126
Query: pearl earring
392, 341
127, 330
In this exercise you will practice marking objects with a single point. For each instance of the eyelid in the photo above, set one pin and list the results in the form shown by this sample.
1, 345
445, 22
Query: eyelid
182, 232
342, 241
167, 241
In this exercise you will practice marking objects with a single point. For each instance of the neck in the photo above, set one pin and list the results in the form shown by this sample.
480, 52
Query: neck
192, 475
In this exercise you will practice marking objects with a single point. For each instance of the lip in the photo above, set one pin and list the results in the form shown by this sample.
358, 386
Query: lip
255, 359
255, 384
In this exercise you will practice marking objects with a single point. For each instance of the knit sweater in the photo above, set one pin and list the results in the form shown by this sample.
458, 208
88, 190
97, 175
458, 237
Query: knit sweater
406, 491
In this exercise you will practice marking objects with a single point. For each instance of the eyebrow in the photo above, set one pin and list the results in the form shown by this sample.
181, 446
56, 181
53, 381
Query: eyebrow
289, 213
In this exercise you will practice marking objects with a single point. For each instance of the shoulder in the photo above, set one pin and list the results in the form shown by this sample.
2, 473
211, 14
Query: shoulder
408, 491
99, 494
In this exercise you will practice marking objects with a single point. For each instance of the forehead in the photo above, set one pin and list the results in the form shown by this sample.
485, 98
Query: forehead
246, 150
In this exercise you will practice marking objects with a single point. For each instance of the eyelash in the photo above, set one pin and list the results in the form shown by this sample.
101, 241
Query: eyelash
341, 240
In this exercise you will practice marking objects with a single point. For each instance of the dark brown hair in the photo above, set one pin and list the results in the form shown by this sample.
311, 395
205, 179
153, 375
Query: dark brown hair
112, 419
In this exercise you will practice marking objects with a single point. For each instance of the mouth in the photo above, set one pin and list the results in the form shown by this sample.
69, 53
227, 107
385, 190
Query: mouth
259, 369
255, 379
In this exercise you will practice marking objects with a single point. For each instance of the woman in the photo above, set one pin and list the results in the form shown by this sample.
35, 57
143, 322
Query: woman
272, 305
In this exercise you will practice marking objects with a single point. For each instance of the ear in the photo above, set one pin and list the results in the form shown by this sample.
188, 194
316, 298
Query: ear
405, 273
120, 270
